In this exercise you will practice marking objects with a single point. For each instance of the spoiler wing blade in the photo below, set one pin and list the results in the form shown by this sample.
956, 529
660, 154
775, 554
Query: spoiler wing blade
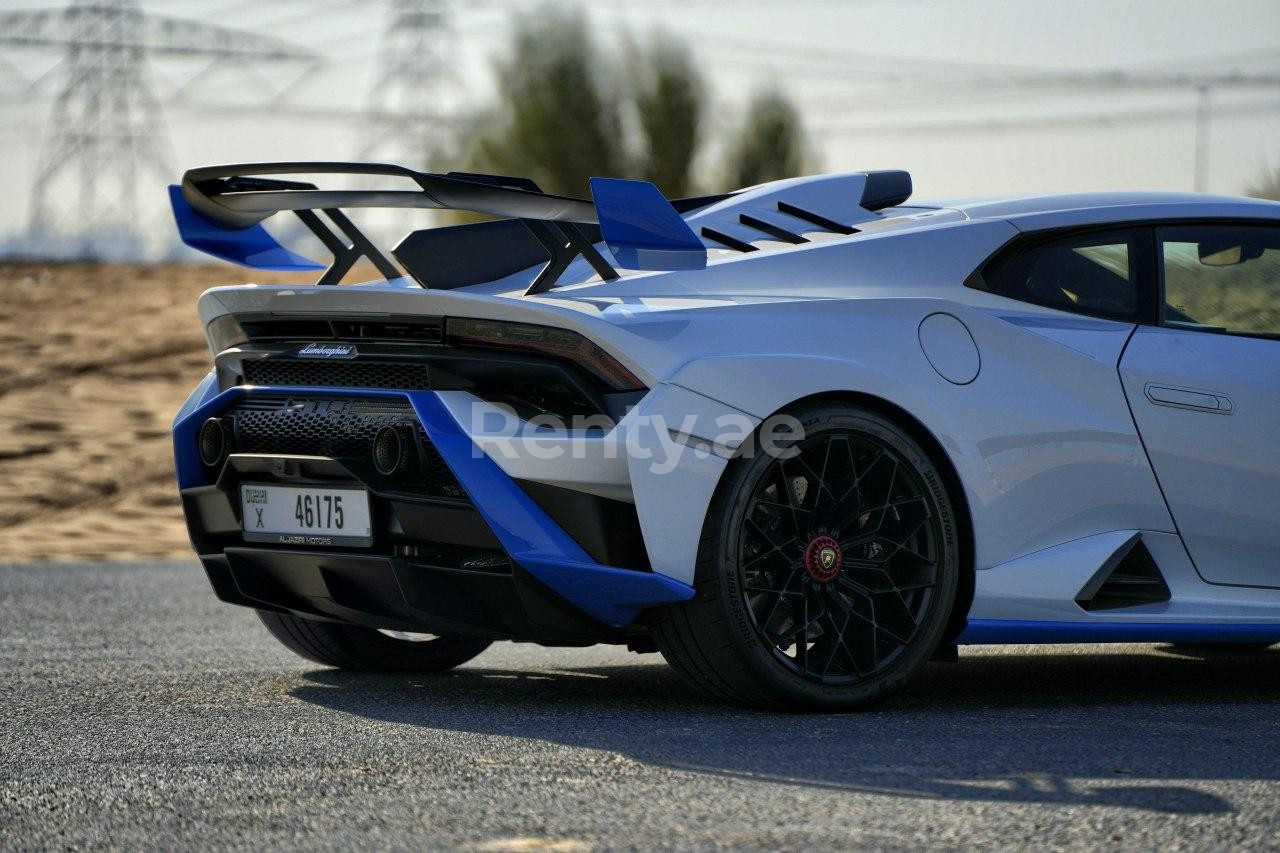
219, 210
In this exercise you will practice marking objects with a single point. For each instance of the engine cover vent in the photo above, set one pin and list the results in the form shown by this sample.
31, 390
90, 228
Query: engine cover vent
1128, 579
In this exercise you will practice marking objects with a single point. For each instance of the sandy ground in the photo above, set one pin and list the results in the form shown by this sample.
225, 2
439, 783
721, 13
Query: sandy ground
97, 358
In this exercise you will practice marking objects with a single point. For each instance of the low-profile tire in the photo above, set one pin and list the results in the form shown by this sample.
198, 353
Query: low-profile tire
367, 650
824, 582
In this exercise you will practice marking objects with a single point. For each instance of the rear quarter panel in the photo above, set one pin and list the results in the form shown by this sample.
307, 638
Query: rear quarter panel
1042, 439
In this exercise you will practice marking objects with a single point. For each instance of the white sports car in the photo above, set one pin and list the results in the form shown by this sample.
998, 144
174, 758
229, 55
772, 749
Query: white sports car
801, 438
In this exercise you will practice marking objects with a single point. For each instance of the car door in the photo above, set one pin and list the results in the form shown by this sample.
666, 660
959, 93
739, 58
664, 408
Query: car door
1204, 387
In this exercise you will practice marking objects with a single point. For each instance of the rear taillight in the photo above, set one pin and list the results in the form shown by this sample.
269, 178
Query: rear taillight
544, 340
224, 333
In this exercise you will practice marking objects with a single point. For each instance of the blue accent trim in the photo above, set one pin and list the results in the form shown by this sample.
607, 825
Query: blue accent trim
204, 403
529, 536
643, 230
251, 247
1017, 632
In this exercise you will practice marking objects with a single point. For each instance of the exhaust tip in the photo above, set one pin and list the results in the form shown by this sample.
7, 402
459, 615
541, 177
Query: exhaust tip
212, 441
388, 451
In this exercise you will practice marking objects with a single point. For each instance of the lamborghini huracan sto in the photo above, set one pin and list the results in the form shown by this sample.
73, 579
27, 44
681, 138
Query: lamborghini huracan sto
801, 438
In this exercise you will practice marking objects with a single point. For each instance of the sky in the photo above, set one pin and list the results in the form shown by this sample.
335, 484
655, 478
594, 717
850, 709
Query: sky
973, 97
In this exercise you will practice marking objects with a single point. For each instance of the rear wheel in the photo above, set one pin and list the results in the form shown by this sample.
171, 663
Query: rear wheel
825, 581
370, 650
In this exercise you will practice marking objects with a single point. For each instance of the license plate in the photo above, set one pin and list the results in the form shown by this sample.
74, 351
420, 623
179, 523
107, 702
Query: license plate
305, 515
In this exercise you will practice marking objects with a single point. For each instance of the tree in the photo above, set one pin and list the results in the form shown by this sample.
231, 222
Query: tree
670, 100
564, 107
557, 118
769, 145
1268, 186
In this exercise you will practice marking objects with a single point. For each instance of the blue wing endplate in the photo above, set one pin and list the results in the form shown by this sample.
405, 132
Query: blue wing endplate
251, 247
642, 229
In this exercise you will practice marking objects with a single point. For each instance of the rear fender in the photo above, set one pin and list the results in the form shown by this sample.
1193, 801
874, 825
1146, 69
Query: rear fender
1041, 440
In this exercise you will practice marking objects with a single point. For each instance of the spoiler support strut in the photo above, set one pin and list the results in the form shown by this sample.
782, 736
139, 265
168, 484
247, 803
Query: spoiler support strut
564, 242
345, 255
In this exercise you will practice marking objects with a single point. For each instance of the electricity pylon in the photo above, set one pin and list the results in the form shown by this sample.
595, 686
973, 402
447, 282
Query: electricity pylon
409, 104
106, 130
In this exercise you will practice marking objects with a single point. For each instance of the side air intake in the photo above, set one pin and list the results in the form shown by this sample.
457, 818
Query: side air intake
1128, 579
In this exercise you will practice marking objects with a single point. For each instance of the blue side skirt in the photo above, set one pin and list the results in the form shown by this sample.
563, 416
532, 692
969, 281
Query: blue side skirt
1012, 632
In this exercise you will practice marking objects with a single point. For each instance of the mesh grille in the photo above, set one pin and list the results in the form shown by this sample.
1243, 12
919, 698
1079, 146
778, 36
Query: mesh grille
341, 428
306, 373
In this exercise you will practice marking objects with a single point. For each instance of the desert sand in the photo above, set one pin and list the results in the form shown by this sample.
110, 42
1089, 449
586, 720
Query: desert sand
97, 358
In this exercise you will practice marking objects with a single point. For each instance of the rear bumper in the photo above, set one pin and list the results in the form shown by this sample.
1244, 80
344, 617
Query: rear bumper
400, 594
542, 585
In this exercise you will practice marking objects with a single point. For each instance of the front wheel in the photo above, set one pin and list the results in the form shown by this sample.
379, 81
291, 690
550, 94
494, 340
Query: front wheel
824, 581
367, 649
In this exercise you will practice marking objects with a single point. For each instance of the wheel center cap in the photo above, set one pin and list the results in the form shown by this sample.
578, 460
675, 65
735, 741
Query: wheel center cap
823, 559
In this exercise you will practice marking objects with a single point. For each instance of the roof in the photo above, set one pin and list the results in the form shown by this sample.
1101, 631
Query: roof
1108, 207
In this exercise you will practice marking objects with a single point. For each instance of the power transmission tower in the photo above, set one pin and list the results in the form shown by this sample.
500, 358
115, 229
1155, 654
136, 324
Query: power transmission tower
409, 103
106, 130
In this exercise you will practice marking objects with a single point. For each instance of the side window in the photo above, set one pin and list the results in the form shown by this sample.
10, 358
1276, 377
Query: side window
1084, 273
1221, 278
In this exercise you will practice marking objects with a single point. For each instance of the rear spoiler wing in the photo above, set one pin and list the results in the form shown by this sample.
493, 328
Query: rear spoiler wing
220, 209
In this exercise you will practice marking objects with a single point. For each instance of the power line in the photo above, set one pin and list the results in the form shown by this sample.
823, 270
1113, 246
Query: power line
1049, 122
901, 86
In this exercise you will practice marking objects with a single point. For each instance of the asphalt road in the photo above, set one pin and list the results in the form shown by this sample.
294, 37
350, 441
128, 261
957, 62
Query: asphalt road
139, 712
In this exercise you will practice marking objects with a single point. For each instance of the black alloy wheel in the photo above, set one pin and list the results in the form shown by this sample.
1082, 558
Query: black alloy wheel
827, 572
840, 554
